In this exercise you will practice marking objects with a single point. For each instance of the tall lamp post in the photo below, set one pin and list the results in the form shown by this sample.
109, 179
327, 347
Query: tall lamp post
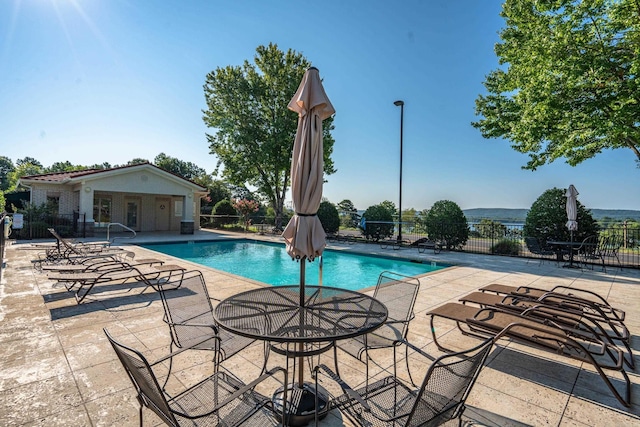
401, 105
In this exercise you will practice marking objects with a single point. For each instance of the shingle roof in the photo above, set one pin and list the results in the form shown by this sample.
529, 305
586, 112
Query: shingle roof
57, 177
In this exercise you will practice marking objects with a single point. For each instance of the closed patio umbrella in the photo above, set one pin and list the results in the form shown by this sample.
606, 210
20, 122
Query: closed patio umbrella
304, 235
572, 209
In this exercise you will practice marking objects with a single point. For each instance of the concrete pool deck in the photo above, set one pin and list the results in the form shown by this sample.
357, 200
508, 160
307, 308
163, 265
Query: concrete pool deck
59, 370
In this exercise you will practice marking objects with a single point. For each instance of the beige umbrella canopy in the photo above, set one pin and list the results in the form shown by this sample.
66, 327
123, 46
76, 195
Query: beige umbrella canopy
304, 235
572, 208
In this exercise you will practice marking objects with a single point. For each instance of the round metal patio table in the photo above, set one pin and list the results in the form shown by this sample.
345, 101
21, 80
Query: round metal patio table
275, 314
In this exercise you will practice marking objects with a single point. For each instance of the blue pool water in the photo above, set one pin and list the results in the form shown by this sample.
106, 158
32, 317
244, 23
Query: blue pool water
270, 263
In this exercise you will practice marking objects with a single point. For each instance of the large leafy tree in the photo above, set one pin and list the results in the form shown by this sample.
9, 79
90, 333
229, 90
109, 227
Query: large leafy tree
179, 167
568, 86
547, 218
6, 167
24, 167
65, 166
349, 217
254, 129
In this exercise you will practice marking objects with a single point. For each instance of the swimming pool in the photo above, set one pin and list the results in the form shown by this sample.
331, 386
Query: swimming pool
270, 263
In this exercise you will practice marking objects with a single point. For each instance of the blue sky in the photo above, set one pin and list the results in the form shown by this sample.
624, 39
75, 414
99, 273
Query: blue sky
90, 81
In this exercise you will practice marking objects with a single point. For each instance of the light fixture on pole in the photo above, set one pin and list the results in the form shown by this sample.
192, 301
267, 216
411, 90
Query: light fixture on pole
401, 105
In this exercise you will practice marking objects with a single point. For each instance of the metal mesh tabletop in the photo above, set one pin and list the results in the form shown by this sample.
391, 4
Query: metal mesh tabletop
275, 314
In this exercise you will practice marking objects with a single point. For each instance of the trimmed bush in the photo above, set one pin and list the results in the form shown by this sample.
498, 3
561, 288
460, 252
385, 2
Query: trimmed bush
506, 247
328, 216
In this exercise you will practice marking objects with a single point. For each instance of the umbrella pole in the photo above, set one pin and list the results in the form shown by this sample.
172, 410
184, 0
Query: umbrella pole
301, 345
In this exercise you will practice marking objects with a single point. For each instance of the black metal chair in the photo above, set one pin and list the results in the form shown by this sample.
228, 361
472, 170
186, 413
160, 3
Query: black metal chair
609, 248
392, 402
189, 314
398, 293
588, 250
534, 246
218, 400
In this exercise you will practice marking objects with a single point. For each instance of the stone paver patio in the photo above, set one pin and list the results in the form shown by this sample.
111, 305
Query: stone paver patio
59, 370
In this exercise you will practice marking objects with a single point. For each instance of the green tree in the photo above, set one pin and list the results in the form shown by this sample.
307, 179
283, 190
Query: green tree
103, 165
329, 218
66, 166
179, 167
390, 207
491, 229
379, 222
227, 214
349, 217
29, 161
445, 222
6, 167
409, 219
568, 85
24, 168
254, 129
218, 190
2, 204
547, 218
138, 161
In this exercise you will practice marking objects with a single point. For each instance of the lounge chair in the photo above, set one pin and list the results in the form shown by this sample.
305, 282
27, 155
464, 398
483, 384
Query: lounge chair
425, 244
392, 402
220, 399
81, 283
66, 252
585, 322
90, 263
547, 335
189, 314
561, 294
398, 293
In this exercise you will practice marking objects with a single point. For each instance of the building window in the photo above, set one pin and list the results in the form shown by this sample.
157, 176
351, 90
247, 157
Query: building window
102, 211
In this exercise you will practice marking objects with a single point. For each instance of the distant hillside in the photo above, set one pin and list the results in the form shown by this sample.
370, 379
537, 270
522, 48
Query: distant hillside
519, 215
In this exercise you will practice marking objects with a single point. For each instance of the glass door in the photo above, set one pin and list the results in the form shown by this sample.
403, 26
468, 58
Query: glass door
132, 213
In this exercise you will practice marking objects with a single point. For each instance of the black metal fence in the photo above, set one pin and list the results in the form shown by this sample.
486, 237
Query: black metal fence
482, 238
2, 243
35, 226
508, 240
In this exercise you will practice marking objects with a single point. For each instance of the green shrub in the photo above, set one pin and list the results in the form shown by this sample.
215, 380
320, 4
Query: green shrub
506, 247
228, 212
378, 223
329, 217
445, 222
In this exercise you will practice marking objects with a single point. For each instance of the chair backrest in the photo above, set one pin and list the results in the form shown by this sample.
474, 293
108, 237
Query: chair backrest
144, 380
611, 245
533, 245
398, 293
186, 307
589, 245
447, 384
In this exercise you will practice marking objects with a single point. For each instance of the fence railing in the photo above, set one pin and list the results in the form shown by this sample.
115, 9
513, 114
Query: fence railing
494, 239
2, 243
36, 226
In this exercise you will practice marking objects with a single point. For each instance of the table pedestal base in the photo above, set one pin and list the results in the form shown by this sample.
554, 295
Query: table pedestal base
301, 403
